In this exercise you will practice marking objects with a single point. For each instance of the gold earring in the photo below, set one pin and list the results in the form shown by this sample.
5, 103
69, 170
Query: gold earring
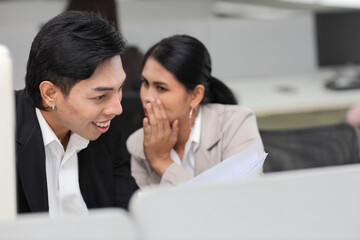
190, 116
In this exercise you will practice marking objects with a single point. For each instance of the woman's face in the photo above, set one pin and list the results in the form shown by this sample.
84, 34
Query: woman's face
159, 83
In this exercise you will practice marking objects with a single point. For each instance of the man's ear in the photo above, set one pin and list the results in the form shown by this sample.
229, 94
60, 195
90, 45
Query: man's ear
197, 95
48, 93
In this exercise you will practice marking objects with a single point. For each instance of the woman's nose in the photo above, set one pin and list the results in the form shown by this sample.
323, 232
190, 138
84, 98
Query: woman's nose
146, 95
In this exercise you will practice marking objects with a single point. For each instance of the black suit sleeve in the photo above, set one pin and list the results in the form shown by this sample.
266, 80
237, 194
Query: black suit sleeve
104, 174
125, 184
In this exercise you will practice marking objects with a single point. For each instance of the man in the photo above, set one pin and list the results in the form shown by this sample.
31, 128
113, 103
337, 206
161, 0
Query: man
68, 142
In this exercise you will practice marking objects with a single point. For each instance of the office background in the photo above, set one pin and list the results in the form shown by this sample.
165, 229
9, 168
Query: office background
244, 40
266, 52
247, 45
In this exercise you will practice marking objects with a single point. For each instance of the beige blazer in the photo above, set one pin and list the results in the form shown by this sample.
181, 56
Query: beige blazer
225, 131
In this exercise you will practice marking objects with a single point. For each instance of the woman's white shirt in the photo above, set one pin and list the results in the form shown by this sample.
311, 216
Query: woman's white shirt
191, 145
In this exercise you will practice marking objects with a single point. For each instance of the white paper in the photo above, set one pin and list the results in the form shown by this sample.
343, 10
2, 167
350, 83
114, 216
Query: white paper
238, 166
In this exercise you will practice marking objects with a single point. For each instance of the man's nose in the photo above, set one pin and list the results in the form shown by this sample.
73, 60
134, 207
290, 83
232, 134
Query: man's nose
115, 107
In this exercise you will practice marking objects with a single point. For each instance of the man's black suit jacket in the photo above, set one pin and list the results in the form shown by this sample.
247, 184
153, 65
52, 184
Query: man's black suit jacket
104, 175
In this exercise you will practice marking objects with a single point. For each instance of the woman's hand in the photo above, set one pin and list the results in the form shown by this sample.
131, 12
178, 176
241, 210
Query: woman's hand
160, 137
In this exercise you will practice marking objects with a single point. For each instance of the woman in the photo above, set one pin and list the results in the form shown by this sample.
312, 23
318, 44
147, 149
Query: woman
191, 119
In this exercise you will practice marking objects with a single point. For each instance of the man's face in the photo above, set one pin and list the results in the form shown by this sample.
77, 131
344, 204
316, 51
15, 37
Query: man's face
92, 103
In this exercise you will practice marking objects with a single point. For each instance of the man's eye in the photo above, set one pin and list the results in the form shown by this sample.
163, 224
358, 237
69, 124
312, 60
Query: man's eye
99, 98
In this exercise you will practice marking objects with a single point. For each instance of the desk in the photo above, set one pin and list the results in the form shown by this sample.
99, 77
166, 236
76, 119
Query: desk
302, 99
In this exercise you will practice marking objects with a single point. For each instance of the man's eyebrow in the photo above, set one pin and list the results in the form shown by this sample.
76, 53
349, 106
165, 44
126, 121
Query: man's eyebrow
99, 89
103, 89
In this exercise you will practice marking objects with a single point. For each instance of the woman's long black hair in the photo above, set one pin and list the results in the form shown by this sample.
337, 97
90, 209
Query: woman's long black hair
189, 60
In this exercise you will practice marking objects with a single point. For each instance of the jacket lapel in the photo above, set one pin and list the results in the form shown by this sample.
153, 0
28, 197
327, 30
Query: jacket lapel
211, 126
30, 155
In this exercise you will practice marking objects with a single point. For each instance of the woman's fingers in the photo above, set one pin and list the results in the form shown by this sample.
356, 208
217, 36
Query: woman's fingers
175, 128
158, 116
146, 128
159, 135
160, 130
163, 116
151, 117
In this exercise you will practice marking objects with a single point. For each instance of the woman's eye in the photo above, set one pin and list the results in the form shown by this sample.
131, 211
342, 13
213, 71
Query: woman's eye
144, 82
161, 88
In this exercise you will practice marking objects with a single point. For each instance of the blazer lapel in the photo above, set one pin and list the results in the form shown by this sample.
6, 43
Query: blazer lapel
95, 178
30, 156
209, 125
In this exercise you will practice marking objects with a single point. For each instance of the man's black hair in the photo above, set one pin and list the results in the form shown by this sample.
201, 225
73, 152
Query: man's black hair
68, 49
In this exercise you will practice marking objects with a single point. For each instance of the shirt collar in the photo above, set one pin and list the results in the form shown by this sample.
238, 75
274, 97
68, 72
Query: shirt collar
194, 137
75, 142
47, 133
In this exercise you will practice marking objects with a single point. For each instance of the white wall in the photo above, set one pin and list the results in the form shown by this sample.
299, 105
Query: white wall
239, 47
19, 23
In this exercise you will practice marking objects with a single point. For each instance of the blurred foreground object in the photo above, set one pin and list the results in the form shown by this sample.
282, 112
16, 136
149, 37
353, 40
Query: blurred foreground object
353, 115
7, 149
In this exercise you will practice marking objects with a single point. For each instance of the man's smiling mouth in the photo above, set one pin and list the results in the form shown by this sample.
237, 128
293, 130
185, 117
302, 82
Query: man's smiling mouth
102, 124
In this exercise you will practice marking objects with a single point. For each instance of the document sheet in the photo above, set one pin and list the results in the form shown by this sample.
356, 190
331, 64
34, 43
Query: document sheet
244, 164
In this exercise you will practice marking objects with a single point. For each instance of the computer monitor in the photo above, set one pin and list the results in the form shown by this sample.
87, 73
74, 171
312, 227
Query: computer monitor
318, 203
338, 46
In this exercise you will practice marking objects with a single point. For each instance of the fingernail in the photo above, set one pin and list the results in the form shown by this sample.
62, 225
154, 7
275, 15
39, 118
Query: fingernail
158, 101
152, 99
148, 105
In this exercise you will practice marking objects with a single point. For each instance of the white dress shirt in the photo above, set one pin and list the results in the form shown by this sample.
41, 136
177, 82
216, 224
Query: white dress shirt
62, 173
191, 145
